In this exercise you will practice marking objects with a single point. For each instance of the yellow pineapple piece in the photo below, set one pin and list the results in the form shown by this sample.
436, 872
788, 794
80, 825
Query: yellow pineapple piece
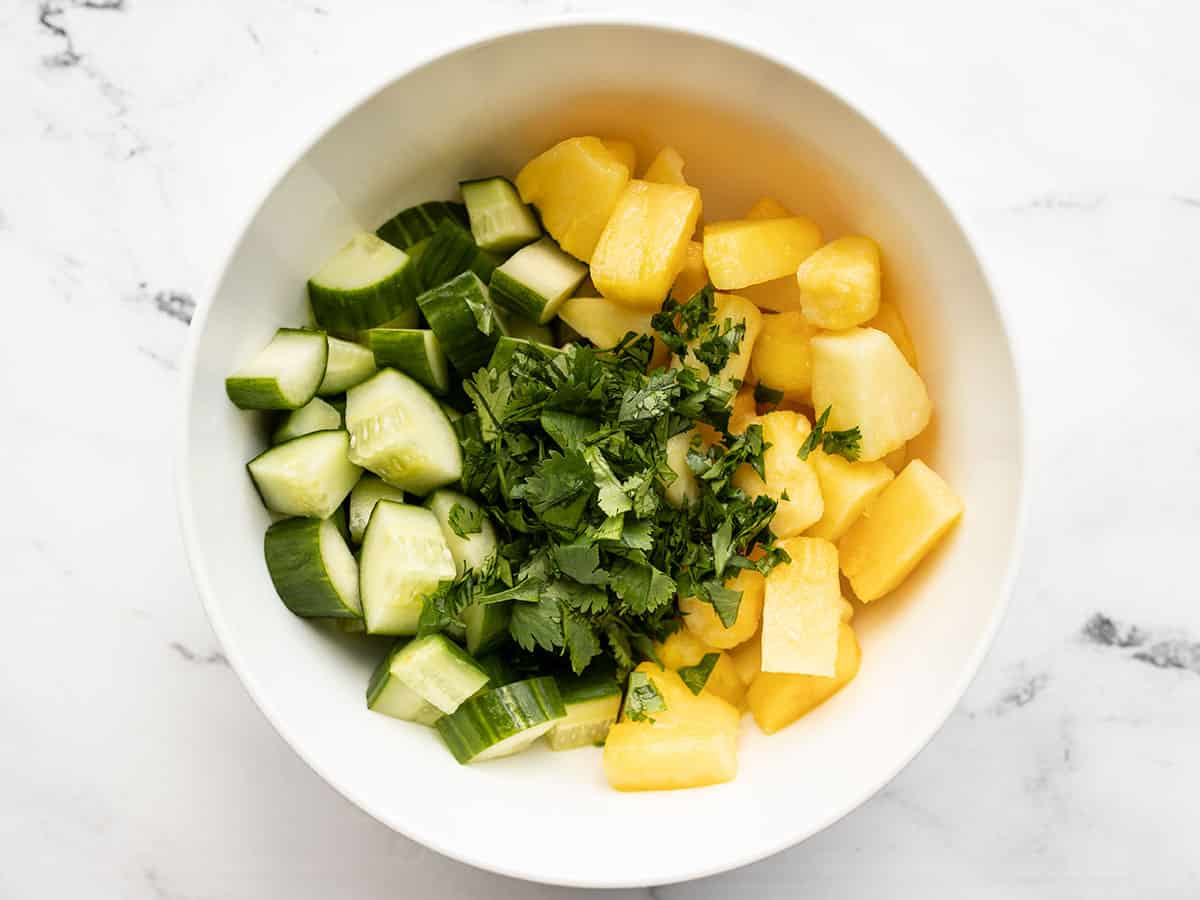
890, 322
743, 252
777, 700
847, 610
684, 490
768, 208
744, 410
782, 357
683, 648
691, 743
785, 431
802, 608
839, 284
602, 321
666, 167
866, 382
747, 658
847, 488
897, 458
693, 276
575, 186
904, 523
623, 151
701, 618
644, 245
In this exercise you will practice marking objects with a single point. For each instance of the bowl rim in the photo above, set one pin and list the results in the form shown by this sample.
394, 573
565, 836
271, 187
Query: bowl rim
733, 34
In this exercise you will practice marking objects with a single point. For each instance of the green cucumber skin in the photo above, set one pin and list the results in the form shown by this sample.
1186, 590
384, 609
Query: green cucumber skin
405, 349
451, 311
347, 364
450, 252
384, 682
290, 546
500, 713
346, 313
418, 656
486, 626
263, 392
596, 682
510, 294
411, 226
521, 227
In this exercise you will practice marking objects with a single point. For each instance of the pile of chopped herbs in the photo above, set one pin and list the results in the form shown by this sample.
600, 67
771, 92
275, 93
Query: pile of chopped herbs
566, 452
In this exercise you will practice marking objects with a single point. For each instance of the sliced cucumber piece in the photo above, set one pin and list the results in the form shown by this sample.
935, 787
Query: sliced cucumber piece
362, 285
398, 431
520, 327
592, 701
461, 315
503, 720
404, 557
450, 252
387, 694
369, 491
284, 375
498, 669
437, 670
414, 351
312, 569
306, 476
411, 226
348, 364
469, 551
451, 413
536, 280
486, 625
500, 222
315, 415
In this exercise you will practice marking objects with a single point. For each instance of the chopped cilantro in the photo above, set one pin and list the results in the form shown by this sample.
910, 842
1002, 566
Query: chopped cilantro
846, 443
642, 698
464, 521
696, 677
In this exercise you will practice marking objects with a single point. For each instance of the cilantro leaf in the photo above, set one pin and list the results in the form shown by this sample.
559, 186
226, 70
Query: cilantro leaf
642, 587
613, 499
847, 443
580, 562
642, 698
465, 520
767, 395
645, 403
537, 624
725, 601
559, 489
581, 640
722, 544
696, 677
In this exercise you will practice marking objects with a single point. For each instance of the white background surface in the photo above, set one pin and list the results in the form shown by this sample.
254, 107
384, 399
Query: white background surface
135, 140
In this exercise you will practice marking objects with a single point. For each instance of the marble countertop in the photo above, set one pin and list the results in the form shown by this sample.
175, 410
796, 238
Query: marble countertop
135, 136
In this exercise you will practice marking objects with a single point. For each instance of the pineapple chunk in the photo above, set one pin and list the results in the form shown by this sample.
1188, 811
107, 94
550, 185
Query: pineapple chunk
683, 648
839, 284
644, 245
744, 410
785, 431
777, 700
782, 358
768, 208
691, 743
623, 151
897, 458
693, 275
747, 658
802, 608
575, 186
868, 383
602, 321
666, 167
684, 490
750, 251
890, 322
912, 514
847, 488
735, 309
701, 618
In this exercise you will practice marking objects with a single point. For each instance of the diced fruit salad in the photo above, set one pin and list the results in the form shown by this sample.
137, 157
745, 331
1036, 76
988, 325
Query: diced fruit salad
605, 479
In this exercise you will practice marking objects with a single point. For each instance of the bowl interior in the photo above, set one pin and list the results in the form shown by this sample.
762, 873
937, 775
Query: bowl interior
746, 127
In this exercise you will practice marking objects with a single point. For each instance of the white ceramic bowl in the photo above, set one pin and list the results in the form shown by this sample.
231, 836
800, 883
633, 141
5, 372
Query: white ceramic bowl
747, 126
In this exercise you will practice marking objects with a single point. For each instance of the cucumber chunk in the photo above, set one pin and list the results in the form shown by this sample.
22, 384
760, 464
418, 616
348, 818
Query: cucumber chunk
486, 625
592, 701
411, 226
500, 222
461, 315
398, 431
369, 491
362, 285
414, 351
284, 375
502, 721
312, 569
438, 671
404, 556
451, 252
315, 415
387, 694
306, 476
536, 280
498, 669
348, 364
